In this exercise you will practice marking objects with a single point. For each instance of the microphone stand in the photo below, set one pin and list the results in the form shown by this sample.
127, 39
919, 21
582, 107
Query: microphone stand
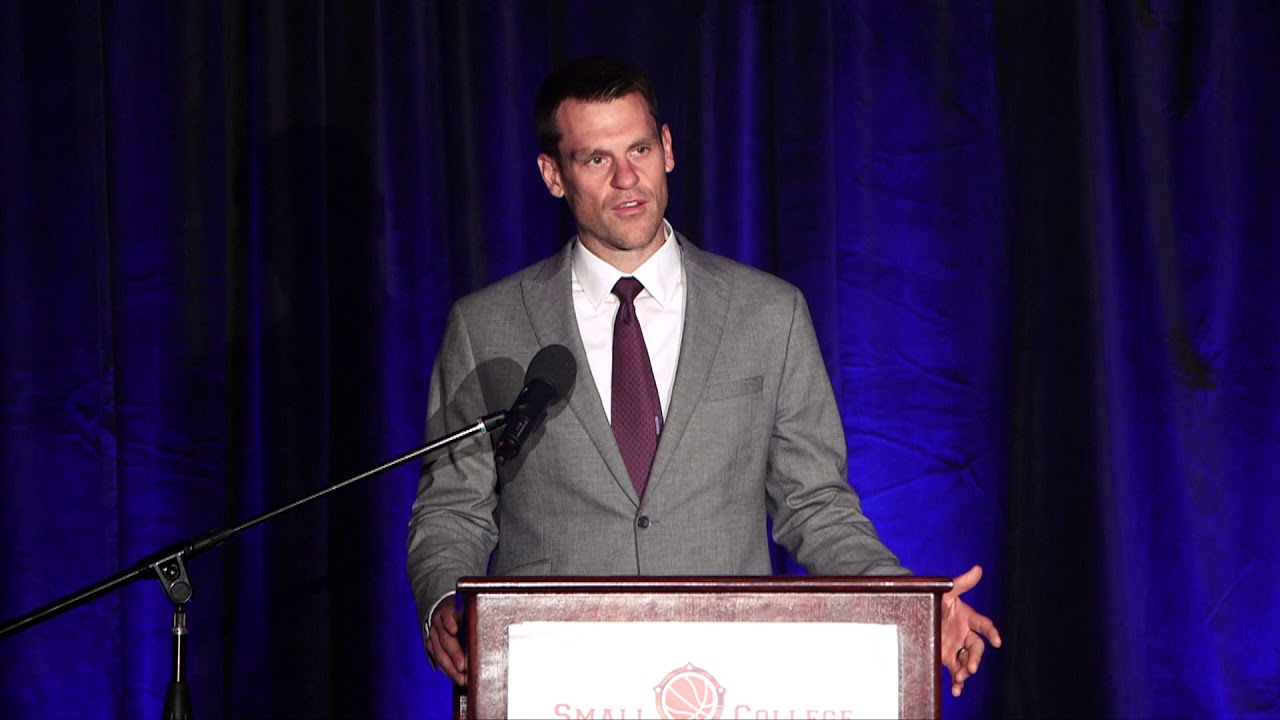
169, 568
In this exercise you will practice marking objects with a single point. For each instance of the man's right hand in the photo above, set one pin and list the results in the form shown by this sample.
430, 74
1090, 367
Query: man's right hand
443, 645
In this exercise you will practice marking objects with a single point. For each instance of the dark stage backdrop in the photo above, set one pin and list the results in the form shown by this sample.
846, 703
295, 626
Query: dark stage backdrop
1039, 240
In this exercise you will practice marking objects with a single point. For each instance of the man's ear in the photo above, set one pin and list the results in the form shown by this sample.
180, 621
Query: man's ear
668, 151
550, 175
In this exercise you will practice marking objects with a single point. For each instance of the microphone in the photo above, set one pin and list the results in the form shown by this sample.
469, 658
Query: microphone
551, 374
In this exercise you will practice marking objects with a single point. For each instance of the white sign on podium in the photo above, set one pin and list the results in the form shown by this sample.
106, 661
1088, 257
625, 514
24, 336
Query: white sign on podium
702, 670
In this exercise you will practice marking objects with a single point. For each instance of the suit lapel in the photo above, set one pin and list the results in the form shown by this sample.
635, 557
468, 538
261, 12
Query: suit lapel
705, 310
548, 298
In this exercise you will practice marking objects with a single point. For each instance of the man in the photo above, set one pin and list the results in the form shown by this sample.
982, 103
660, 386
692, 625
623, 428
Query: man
701, 402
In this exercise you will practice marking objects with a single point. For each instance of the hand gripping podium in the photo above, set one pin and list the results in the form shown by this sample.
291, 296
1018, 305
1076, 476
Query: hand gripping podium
630, 648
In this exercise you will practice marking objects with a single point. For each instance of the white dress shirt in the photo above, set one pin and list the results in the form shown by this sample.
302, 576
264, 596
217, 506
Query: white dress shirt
659, 308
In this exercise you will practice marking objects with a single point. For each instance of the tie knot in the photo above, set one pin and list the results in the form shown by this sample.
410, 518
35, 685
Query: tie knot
627, 288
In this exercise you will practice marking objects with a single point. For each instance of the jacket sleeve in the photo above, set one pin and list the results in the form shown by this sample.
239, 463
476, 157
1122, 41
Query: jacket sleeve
452, 530
816, 515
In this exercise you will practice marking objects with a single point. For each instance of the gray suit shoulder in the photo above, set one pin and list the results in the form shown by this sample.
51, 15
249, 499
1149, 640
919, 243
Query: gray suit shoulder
743, 282
746, 282
508, 290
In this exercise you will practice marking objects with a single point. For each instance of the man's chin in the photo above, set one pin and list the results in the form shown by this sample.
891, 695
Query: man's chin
633, 245
637, 238
628, 237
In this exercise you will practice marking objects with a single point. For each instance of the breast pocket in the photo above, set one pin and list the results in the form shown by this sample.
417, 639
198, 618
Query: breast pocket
734, 388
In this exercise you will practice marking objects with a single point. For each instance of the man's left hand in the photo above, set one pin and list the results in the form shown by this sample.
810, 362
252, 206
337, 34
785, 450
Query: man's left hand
965, 632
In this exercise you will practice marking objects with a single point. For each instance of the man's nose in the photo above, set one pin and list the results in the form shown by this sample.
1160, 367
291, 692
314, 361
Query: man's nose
625, 175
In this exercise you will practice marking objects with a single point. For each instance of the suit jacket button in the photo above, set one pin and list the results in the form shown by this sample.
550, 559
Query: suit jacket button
643, 521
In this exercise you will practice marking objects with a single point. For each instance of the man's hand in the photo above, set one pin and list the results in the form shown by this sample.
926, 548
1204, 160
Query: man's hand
963, 632
443, 645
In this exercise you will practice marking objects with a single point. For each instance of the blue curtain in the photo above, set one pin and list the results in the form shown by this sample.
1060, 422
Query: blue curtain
1036, 238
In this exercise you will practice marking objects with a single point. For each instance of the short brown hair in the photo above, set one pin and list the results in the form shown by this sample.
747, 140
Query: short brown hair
591, 79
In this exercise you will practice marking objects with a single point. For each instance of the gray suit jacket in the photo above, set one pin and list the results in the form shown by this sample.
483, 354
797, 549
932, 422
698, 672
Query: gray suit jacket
752, 428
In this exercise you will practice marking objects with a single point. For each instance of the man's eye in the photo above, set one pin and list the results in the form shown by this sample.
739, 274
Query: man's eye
643, 149
596, 161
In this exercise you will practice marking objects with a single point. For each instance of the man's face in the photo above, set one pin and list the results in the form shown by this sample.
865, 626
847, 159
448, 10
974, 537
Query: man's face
612, 170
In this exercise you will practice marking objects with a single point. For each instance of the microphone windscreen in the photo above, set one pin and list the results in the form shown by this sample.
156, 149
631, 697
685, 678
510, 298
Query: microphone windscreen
553, 364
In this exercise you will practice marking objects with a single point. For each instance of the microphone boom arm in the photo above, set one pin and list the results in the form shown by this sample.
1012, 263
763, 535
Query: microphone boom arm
168, 567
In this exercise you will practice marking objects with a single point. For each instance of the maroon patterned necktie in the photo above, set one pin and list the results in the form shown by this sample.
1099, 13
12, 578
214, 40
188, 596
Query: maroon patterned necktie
636, 412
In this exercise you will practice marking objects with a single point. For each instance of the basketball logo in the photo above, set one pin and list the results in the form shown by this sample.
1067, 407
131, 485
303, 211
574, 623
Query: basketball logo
689, 693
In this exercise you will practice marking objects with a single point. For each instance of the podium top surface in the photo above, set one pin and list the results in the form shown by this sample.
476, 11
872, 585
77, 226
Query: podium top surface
892, 584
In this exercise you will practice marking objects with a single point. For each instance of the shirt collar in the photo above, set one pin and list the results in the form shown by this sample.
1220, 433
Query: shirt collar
660, 274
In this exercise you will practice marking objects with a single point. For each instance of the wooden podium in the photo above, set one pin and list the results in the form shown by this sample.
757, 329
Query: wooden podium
913, 604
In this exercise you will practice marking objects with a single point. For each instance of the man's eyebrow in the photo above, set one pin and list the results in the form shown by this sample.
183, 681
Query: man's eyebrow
584, 153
